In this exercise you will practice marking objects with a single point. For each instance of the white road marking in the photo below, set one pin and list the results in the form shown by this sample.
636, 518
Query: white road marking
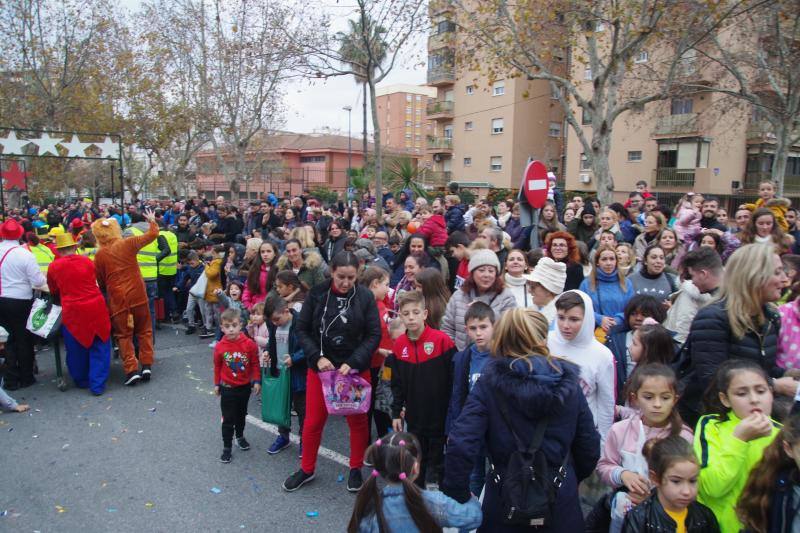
323, 451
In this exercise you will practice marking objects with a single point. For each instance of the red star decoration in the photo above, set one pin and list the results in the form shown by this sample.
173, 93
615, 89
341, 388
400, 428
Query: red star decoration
14, 177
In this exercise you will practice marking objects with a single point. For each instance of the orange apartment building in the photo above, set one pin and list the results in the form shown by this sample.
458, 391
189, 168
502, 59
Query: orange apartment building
403, 118
483, 134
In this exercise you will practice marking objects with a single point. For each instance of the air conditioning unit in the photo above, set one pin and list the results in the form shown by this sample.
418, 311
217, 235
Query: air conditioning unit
437, 157
585, 178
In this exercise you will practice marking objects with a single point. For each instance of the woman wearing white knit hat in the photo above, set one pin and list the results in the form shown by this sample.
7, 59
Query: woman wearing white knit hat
545, 283
485, 283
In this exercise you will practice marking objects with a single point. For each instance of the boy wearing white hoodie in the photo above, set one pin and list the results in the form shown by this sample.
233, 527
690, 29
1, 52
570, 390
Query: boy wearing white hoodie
573, 339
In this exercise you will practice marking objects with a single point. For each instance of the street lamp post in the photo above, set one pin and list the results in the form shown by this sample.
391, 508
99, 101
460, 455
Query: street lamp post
349, 150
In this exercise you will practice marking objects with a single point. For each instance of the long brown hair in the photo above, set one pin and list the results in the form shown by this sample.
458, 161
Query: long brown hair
754, 503
254, 274
657, 370
521, 334
596, 267
436, 294
750, 231
393, 457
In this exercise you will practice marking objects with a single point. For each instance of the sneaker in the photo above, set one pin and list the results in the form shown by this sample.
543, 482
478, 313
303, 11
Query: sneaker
132, 378
146, 373
191, 330
280, 444
212, 344
242, 443
297, 480
354, 481
205, 334
226, 455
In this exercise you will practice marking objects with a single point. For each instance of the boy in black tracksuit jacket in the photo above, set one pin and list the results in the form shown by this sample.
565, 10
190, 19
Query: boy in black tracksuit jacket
422, 381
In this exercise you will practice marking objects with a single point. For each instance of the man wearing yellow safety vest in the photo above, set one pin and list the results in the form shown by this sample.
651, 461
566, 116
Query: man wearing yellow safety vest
41, 252
148, 259
167, 270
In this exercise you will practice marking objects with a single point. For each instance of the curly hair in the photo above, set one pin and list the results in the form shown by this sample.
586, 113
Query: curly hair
573, 255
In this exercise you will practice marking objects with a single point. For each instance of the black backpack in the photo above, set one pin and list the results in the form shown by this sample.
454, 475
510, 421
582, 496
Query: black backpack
530, 484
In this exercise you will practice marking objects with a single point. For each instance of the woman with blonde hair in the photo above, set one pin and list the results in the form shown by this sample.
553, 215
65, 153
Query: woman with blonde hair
523, 389
654, 222
742, 324
626, 258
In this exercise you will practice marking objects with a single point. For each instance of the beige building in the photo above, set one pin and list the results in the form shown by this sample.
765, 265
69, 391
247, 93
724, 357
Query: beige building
484, 133
402, 116
703, 142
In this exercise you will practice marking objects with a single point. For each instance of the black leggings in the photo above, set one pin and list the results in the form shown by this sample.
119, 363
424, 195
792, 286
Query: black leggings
383, 422
19, 348
233, 403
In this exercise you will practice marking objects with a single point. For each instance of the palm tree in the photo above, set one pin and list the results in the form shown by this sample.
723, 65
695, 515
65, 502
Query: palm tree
354, 49
405, 176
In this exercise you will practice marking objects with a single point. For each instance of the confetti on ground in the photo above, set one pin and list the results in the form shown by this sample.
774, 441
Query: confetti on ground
114, 439
149, 505
61, 509
36, 436
140, 431
340, 478
152, 409
215, 490
64, 447
312, 514
10, 430
38, 410
111, 510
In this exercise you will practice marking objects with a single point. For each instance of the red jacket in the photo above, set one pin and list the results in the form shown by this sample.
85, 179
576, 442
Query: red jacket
435, 230
386, 339
236, 362
83, 309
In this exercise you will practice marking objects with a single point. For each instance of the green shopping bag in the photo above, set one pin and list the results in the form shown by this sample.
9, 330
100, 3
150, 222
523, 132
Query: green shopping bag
276, 394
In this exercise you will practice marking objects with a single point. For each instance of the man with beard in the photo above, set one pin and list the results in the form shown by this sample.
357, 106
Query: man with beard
709, 211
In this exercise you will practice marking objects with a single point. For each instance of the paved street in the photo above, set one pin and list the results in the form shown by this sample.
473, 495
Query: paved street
146, 458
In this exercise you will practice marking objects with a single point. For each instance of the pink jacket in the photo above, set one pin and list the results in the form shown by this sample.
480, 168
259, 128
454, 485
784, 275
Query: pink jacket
789, 339
260, 334
250, 299
624, 437
687, 222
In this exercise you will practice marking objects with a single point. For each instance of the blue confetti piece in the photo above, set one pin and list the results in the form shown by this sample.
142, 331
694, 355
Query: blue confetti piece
111, 510
340, 478
215, 490
312, 514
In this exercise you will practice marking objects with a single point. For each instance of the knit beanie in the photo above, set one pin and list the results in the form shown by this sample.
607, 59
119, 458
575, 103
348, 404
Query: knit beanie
588, 209
3, 334
484, 257
552, 275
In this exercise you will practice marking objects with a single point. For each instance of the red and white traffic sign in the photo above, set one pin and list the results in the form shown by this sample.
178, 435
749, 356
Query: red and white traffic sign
536, 184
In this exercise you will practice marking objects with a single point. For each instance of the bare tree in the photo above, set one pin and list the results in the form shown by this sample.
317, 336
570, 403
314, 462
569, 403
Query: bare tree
552, 39
379, 32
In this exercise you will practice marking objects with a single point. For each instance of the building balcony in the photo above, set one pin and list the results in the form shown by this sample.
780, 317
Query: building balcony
439, 7
674, 177
440, 145
437, 178
440, 109
753, 178
442, 75
684, 124
441, 40
760, 131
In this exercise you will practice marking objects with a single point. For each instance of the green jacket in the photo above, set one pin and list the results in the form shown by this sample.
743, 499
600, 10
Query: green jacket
725, 464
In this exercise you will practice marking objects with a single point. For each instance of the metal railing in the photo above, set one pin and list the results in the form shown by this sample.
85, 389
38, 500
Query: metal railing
440, 40
441, 75
682, 124
437, 178
440, 143
439, 107
791, 183
674, 177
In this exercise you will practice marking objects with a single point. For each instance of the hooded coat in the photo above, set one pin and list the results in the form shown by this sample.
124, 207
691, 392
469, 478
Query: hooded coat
311, 273
531, 393
597, 376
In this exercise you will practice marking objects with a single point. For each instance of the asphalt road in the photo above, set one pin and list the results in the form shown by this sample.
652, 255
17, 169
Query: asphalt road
146, 458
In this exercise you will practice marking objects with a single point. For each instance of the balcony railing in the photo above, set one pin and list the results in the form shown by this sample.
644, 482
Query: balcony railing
683, 124
437, 178
439, 107
437, 7
674, 177
791, 183
440, 40
442, 75
440, 144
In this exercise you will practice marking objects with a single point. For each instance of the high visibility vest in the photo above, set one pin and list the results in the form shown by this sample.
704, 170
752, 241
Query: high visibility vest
44, 256
169, 265
88, 252
146, 257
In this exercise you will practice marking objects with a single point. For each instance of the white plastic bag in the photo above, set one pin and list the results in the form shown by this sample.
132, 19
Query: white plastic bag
44, 319
198, 290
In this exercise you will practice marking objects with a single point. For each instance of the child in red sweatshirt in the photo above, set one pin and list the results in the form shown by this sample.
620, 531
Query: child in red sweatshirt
434, 228
236, 374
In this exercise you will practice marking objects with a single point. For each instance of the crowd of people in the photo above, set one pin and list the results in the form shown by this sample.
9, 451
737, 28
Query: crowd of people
636, 372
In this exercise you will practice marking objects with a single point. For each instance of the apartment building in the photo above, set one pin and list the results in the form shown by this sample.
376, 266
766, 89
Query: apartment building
484, 132
403, 119
703, 142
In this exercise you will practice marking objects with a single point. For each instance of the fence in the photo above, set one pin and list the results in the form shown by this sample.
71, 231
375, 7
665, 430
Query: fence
285, 182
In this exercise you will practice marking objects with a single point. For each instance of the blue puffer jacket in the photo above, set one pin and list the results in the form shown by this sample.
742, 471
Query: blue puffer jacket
454, 218
608, 298
530, 394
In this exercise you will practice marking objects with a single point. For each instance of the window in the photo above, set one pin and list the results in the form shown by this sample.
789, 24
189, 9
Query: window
683, 155
587, 73
586, 117
585, 163
467, 161
634, 156
555, 91
499, 88
468, 125
418, 136
554, 130
497, 126
408, 97
642, 57
681, 106
418, 125
419, 98
409, 110
312, 159
448, 131
470, 89
409, 123
408, 135
496, 163
419, 111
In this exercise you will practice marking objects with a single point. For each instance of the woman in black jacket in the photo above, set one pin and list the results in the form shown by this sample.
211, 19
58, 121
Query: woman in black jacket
339, 329
742, 324
335, 242
536, 388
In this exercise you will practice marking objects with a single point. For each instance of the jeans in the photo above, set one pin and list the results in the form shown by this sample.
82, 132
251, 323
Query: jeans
192, 303
152, 294
165, 284
233, 404
210, 312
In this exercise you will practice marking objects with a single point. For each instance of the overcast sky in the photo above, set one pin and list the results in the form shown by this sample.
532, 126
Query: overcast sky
316, 104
